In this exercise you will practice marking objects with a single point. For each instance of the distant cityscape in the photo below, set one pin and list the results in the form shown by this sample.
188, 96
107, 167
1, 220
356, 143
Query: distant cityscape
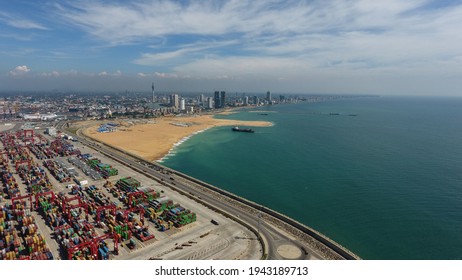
84, 106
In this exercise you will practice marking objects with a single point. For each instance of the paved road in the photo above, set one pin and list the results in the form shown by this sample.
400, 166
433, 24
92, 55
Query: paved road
271, 237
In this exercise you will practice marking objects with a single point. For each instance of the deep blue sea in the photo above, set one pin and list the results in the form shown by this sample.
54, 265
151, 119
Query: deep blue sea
386, 183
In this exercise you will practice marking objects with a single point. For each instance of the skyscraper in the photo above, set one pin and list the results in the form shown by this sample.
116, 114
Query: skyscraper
182, 104
255, 100
175, 101
217, 99
209, 103
223, 99
268, 96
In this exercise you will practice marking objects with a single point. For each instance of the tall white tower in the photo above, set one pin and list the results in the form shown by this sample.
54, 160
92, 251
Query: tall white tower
182, 104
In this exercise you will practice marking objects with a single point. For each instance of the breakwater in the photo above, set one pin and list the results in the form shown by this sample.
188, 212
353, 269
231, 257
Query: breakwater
314, 238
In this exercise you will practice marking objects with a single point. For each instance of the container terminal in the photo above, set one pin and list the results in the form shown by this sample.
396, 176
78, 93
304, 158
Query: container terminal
60, 199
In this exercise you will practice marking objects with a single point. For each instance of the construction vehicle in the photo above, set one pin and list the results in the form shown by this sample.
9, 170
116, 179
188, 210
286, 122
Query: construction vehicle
151, 214
108, 185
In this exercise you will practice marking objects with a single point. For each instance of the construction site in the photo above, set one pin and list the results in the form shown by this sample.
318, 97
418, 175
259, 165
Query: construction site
60, 199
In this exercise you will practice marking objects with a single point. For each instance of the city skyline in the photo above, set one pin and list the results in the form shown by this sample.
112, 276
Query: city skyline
335, 47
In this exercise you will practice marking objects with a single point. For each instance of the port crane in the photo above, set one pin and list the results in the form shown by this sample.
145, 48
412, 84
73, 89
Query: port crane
20, 198
102, 208
93, 244
136, 195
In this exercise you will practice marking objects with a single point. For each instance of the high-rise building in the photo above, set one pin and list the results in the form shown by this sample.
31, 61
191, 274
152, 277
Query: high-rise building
223, 99
182, 104
209, 103
174, 101
246, 100
268, 96
255, 100
217, 99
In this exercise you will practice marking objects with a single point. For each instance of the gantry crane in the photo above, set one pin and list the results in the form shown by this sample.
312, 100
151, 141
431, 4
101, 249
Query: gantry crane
20, 198
134, 209
93, 244
135, 194
111, 207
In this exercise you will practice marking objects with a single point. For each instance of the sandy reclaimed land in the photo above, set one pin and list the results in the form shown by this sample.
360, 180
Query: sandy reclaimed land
152, 141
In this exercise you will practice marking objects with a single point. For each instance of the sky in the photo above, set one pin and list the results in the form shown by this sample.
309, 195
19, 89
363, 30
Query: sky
391, 47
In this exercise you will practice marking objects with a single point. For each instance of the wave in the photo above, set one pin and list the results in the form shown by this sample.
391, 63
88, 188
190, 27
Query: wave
173, 150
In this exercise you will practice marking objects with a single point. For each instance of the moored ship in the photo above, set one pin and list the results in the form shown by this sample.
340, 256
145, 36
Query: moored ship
236, 128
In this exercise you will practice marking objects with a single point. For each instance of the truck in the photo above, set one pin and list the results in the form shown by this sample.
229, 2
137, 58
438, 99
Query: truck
81, 183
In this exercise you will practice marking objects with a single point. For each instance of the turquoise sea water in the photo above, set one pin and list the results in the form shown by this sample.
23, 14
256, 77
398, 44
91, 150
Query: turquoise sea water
387, 183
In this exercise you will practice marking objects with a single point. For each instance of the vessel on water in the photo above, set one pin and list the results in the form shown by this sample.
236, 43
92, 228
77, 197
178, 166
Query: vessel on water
236, 128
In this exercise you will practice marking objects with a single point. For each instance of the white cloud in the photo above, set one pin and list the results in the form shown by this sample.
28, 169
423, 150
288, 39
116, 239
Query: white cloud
158, 75
115, 74
165, 75
127, 22
20, 70
327, 32
50, 74
22, 23
198, 49
142, 75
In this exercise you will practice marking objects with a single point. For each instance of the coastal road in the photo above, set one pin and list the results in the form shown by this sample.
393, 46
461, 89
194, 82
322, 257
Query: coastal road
278, 245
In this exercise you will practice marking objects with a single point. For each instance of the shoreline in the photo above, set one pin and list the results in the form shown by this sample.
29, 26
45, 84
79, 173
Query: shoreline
155, 139
177, 144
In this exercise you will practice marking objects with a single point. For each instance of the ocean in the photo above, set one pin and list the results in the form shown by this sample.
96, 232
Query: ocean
383, 177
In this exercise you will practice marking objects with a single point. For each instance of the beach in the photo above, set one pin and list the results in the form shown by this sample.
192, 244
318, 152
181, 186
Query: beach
154, 139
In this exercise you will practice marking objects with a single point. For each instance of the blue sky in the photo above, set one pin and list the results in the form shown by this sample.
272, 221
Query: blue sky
411, 47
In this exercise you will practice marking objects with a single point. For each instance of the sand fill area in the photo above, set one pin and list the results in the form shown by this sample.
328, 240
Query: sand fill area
153, 139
